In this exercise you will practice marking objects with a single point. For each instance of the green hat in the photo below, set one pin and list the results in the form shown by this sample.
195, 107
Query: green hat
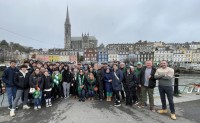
139, 63
128, 67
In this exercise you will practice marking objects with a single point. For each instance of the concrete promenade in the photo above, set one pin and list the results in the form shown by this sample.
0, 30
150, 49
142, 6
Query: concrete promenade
72, 111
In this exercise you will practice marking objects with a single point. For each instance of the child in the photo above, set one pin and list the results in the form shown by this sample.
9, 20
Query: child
91, 84
47, 80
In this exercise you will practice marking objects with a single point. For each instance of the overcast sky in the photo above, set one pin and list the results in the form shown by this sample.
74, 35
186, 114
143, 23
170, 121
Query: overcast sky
110, 21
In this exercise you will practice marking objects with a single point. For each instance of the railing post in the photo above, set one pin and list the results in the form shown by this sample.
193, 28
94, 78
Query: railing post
176, 84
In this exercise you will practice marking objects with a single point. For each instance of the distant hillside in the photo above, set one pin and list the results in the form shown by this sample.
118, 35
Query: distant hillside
14, 46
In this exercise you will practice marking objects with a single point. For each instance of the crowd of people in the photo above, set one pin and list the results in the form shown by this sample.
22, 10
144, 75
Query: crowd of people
39, 82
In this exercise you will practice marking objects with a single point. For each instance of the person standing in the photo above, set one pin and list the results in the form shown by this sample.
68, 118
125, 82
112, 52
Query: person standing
165, 74
147, 82
8, 79
81, 85
57, 86
117, 83
48, 82
35, 81
130, 85
137, 72
21, 81
66, 81
108, 76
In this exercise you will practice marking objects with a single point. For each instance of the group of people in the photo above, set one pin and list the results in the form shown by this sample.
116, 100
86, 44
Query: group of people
41, 82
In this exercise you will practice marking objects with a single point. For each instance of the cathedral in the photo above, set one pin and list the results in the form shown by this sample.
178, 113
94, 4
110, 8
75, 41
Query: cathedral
77, 43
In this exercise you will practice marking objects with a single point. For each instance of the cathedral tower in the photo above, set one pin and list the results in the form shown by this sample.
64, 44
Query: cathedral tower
67, 32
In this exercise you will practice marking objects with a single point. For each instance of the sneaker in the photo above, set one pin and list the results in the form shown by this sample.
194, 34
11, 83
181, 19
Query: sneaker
162, 111
39, 107
35, 108
140, 106
101, 100
12, 112
47, 105
26, 107
117, 104
50, 104
173, 116
65, 97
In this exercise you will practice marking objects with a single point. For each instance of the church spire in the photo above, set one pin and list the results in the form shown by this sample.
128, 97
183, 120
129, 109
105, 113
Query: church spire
67, 17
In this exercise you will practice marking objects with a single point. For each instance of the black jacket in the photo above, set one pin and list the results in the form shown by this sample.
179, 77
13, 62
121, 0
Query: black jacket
36, 79
20, 81
67, 76
152, 80
48, 82
129, 80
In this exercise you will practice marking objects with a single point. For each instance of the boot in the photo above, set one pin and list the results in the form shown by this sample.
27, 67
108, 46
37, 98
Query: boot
47, 103
50, 104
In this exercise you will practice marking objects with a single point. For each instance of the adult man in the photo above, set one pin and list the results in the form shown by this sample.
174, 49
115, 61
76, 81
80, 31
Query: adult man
8, 79
147, 82
137, 72
165, 74
117, 83
21, 81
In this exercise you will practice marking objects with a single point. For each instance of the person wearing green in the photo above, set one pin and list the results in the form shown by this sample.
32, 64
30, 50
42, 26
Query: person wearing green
137, 73
57, 86
81, 82
91, 84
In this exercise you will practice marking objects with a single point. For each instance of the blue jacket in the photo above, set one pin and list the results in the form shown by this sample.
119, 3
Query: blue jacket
107, 77
117, 80
8, 76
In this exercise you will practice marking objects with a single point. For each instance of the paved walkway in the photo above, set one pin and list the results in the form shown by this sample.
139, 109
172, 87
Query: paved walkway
72, 111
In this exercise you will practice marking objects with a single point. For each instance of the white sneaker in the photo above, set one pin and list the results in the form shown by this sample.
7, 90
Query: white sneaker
50, 104
12, 112
39, 107
26, 107
35, 108
47, 105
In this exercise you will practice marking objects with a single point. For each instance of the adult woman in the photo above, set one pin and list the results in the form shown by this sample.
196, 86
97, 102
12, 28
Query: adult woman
108, 83
91, 84
35, 81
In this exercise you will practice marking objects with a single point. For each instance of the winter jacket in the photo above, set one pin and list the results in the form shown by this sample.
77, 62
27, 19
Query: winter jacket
21, 81
8, 76
117, 80
67, 76
129, 80
152, 80
91, 84
108, 85
59, 79
81, 80
48, 82
35, 80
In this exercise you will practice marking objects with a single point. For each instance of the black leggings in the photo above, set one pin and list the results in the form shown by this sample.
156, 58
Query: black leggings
117, 95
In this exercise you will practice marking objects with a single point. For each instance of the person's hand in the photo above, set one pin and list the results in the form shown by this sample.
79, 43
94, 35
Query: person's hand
45, 95
139, 85
110, 80
149, 77
72, 84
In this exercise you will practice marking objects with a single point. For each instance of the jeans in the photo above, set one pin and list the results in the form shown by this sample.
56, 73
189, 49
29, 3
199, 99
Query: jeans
150, 91
21, 94
66, 89
90, 93
11, 94
81, 94
37, 101
168, 90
